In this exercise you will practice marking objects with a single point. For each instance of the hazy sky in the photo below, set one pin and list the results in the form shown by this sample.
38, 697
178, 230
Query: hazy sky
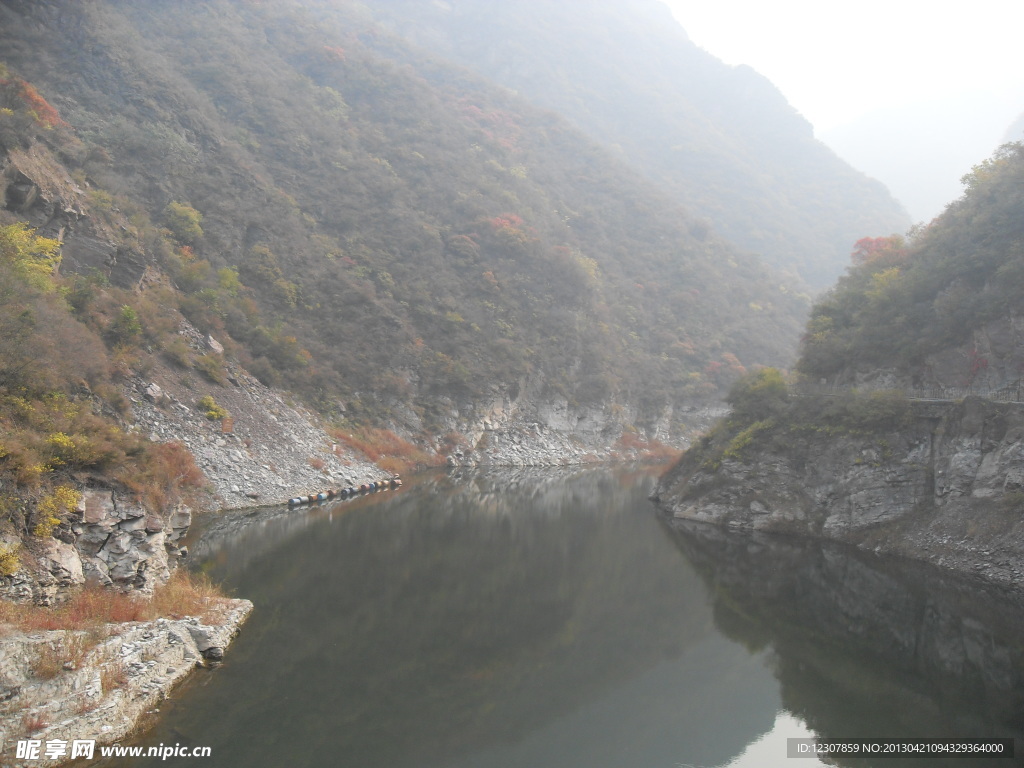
913, 92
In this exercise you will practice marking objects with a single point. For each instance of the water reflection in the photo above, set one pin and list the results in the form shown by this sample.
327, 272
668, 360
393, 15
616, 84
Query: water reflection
867, 646
472, 620
552, 619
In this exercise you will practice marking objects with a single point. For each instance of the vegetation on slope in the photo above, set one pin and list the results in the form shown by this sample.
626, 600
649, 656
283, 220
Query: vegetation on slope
765, 417
899, 302
722, 140
377, 230
60, 412
903, 300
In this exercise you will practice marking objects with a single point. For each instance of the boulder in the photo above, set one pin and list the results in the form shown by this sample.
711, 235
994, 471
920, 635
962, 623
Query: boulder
62, 561
98, 508
153, 393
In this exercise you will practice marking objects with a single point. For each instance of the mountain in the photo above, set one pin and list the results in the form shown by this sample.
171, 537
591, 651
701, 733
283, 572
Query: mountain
388, 235
903, 434
721, 140
1016, 130
898, 144
939, 310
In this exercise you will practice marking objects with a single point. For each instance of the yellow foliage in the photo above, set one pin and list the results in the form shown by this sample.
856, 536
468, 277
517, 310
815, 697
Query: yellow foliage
10, 561
34, 258
49, 509
214, 412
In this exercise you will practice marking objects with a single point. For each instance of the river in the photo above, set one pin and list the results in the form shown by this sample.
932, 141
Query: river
551, 619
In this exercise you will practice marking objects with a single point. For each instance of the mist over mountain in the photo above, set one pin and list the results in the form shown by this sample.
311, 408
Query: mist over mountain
722, 140
922, 167
1016, 131
378, 230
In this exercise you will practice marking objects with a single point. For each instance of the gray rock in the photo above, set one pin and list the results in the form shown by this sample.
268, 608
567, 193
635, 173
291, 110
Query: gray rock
62, 561
153, 393
214, 346
98, 508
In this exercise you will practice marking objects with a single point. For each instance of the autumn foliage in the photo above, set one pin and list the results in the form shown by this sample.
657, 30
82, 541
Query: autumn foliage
42, 111
386, 449
869, 249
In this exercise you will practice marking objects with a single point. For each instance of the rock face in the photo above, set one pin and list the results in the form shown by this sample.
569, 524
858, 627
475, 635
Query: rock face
112, 540
947, 490
529, 428
989, 362
109, 684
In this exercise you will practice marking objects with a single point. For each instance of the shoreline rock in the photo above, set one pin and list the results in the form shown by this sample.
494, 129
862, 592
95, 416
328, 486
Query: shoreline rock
105, 693
531, 431
947, 490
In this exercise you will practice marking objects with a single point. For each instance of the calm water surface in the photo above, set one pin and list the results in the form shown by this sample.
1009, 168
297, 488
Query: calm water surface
552, 620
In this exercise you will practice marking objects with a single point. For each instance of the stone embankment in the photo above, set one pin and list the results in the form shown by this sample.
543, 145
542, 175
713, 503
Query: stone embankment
57, 687
949, 489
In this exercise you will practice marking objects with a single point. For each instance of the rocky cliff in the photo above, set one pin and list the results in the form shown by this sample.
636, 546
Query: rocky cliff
264, 450
945, 486
527, 428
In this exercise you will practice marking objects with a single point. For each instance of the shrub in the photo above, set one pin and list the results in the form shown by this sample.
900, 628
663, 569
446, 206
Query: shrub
164, 475
386, 449
213, 411
51, 507
178, 352
10, 559
212, 367
126, 328
758, 395
876, 411
735, 448
184, 222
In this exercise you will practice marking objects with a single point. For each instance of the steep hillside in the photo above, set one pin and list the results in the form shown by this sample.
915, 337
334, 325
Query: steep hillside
385, 234
721, 140
940, 310
893, 456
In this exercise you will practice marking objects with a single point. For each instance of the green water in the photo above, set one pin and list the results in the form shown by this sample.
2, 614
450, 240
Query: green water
553, 619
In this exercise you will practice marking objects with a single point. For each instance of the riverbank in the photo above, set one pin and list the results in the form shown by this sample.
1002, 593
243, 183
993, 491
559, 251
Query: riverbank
62, 686
945, 486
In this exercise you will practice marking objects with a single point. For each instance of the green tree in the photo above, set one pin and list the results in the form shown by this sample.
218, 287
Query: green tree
758, 395
184, 222
126, 328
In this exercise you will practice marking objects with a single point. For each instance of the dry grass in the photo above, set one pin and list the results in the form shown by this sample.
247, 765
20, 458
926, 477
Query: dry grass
30, 723
67, 652
386, 449
653, 450
183, 595
112, 677
166, 475
187, 594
